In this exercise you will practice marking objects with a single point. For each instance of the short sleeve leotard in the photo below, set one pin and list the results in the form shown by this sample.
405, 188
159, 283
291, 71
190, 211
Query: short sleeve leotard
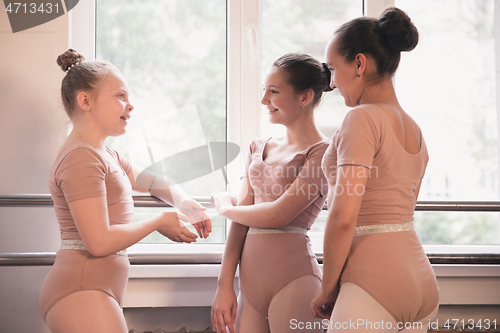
391, 266
280, 258
81, 172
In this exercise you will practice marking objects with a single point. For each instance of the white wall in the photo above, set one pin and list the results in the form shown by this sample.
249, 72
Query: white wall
31, 126
32, 119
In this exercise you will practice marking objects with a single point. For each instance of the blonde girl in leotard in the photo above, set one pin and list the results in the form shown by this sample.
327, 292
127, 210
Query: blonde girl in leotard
375, 271
283, 191
91, 188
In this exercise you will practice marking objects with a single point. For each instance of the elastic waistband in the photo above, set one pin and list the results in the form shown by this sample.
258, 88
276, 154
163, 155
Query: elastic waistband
379, 228
286, 229
76, 244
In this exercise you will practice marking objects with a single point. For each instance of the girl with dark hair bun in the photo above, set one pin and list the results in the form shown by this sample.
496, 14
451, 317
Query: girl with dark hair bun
375, 271
91, 186
382, 40
283, 191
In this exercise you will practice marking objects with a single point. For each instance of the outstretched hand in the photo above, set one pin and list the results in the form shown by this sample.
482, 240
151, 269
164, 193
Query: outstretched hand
223, 201
173, 229
196, 216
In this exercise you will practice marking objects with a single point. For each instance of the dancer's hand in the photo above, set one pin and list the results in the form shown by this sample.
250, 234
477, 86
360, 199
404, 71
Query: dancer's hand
197, 216
224, 310
223, 201
173, 229
321, 305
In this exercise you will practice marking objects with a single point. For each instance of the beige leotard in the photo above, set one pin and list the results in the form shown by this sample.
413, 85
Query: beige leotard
391, 266
81, 172
272, 259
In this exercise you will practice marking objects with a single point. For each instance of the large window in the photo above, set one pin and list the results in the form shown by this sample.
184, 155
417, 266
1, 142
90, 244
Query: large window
195, 67
174, 58
173, 55
448, 85
304, 27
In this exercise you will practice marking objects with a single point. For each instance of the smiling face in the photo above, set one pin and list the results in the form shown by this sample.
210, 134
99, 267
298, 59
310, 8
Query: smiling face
282, 102
344, 75
111, 106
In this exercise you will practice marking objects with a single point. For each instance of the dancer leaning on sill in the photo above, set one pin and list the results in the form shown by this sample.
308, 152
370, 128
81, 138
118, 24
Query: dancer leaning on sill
91, 186
283, 191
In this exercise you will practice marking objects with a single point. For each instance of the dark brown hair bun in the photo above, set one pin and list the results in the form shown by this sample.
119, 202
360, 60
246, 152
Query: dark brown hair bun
382, 39
68, 59
397, 30
305, 72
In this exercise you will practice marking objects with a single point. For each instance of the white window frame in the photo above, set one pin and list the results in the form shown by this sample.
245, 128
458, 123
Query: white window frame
243, 55
243, 95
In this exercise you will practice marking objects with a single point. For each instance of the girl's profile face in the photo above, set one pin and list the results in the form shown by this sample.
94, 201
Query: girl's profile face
280, 98
344, 75
112, 107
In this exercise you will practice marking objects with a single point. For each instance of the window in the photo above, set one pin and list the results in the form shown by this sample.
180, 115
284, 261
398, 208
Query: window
448, 85
305, 29
173, 56
198, 65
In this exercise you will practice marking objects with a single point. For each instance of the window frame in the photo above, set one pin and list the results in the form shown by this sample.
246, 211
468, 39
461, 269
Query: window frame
242, 96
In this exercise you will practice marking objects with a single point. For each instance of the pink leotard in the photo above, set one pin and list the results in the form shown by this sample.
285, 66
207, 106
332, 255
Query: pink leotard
272, 260
81, 172
391, 266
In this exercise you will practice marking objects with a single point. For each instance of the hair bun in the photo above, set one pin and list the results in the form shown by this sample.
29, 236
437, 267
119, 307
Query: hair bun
397, 29
69, 59
328, 77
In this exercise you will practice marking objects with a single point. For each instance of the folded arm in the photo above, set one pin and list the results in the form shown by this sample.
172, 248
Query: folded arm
102, 239
273, 214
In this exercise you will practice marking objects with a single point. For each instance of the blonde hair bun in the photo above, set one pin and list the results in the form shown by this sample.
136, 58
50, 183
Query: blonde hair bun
69, 59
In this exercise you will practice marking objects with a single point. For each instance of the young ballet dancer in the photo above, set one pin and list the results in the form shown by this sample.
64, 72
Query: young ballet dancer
91, 187
375, 271
283, 191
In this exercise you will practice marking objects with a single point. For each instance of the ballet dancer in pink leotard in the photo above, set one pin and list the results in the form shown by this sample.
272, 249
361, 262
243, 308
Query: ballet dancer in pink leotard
375, 269
91, 188
283, 191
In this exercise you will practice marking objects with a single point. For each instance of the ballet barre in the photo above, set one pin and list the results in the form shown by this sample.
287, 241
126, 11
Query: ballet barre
34, 200
142, 201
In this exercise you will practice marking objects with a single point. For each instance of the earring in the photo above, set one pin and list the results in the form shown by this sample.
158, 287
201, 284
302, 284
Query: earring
359, 76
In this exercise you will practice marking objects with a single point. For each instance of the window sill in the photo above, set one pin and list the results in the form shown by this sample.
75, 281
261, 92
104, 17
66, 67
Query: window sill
211, 254
195, 285
209, 271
